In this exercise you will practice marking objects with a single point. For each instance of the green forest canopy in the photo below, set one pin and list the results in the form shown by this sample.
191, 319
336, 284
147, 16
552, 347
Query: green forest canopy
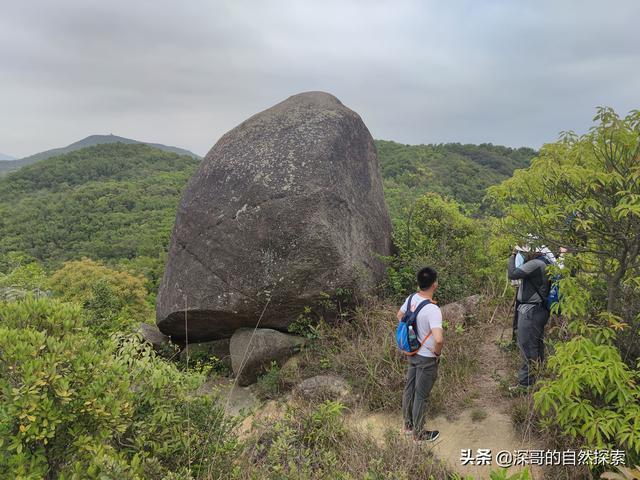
453, 170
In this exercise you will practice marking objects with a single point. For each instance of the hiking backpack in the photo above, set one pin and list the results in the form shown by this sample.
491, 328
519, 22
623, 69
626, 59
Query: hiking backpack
553, 296
554, 293
407, 330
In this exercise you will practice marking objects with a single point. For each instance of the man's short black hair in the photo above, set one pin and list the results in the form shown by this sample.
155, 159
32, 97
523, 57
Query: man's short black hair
426, 278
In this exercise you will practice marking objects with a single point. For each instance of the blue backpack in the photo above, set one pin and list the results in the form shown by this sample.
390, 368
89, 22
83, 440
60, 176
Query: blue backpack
554, 292
553, 296
407, 330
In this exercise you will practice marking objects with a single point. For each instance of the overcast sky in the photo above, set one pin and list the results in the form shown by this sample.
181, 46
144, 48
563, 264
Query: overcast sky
184, 72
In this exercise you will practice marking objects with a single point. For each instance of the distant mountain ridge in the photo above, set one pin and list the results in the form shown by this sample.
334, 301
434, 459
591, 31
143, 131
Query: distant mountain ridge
4, 156
89, 141
110, 201
459, 171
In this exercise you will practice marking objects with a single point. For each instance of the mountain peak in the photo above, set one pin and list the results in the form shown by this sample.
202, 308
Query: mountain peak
89, 141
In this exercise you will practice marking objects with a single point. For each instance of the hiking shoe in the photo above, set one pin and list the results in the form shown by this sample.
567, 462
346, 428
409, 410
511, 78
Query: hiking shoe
408, 431
508, 347
427, 436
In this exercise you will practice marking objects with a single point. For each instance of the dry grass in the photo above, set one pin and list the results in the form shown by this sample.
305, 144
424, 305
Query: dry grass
478, 414
363, 351
312, 442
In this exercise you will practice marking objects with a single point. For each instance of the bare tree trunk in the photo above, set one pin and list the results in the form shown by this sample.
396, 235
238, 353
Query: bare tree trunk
613, 287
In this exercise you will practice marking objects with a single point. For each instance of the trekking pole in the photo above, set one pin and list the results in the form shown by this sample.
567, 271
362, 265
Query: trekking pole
514, 305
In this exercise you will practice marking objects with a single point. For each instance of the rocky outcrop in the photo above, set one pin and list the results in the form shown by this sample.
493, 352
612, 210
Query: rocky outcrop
153, 336
252, 351
472, 303
456, 313
325, 387
285, 208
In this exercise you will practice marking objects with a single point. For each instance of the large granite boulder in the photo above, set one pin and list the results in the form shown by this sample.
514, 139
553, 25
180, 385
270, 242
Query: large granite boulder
253, 351
285, 208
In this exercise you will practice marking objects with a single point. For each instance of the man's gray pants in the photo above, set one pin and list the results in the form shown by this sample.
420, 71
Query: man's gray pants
421, 375
532, 319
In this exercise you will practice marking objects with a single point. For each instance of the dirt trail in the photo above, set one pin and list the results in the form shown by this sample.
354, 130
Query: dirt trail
484, 424
495, 431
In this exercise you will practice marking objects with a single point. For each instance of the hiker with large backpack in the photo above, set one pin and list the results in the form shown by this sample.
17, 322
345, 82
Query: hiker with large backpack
419, 336
532, 310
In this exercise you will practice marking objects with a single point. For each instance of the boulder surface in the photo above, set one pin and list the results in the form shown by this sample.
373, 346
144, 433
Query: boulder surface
153, 336
253, 351
285, 208
458, 312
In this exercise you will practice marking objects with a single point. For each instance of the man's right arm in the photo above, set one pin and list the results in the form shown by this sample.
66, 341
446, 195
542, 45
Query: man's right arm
526, 270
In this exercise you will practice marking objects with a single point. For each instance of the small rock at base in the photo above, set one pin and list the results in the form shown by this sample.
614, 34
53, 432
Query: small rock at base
253, 351
153, 336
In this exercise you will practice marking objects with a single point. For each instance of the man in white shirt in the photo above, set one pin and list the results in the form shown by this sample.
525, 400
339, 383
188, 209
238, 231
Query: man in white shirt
423, 366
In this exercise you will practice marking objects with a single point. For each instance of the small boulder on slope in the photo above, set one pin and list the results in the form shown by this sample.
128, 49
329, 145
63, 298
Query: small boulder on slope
253, 350
457, 312
153, 336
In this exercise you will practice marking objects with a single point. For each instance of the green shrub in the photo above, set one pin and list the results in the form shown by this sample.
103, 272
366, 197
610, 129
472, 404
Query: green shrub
593, 395
437, 233
74, 406
57, 413
19, 270
170, 424
582, 193
115, 301
270, 384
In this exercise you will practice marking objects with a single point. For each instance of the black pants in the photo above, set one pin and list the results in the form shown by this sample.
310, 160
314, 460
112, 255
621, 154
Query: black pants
531, 325
421, 375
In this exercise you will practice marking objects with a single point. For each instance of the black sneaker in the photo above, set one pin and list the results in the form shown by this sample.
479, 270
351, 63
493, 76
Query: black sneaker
427, 436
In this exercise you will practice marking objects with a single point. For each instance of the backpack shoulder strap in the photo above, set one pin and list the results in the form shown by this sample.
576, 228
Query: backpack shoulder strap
422, 304
544, 300
409, 303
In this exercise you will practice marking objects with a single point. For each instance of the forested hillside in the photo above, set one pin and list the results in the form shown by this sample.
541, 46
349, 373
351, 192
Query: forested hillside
461, 172
112, 202
90, 141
